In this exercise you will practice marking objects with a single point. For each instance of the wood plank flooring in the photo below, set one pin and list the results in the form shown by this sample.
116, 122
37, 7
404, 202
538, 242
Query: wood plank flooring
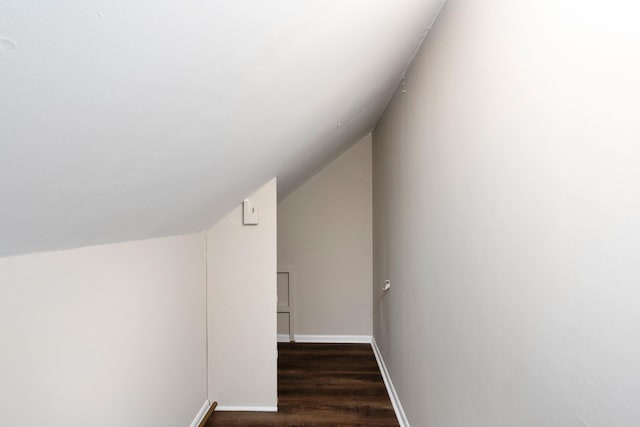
322, 385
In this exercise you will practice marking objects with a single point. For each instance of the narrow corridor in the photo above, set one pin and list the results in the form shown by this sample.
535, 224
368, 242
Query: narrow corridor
322, 385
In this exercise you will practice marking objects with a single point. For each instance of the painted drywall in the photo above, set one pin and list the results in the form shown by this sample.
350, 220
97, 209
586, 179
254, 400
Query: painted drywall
324, 238
129, 121
507, 216
104, 336
241, 306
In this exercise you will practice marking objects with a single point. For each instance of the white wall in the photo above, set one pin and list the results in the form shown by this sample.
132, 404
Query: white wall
104, 336
324, 235
241, 306
507, 215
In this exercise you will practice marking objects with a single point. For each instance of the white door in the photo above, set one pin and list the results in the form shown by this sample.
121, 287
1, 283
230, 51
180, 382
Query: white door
285, 307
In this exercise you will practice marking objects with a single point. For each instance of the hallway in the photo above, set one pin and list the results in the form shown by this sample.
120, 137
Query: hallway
322, 385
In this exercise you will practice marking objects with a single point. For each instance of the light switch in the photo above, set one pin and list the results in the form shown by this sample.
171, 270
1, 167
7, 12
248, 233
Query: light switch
249, 213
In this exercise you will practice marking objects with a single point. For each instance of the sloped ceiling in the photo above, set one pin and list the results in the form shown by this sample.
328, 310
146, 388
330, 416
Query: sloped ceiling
123, 120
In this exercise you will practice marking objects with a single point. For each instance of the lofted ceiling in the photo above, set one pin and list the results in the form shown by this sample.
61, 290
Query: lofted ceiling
123, 120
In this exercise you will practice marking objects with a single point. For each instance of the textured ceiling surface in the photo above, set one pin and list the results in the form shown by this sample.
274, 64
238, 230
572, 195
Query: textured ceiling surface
124, 120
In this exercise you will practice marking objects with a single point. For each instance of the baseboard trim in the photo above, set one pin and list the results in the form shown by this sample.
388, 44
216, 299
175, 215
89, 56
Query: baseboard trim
247, 409
201, 413
395, 400
334, 339
283, 338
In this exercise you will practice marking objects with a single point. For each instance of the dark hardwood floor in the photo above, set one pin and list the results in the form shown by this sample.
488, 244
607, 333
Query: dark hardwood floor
322, 385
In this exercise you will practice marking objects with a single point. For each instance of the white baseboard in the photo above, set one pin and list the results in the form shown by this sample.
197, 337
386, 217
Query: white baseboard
247, 408
395, 400
283, 338
334, 339
201, 414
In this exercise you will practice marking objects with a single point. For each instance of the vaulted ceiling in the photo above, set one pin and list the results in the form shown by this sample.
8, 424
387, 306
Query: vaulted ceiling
123, 120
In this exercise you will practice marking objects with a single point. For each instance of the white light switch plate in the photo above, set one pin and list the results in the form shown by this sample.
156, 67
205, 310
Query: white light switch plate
249, 213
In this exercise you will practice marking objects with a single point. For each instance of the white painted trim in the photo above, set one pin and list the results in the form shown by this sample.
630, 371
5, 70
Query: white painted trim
247, 408
395, 400
203, 411
283, 338
334, 339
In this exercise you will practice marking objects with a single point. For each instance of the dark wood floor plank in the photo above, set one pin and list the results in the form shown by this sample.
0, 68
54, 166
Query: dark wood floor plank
322, 385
